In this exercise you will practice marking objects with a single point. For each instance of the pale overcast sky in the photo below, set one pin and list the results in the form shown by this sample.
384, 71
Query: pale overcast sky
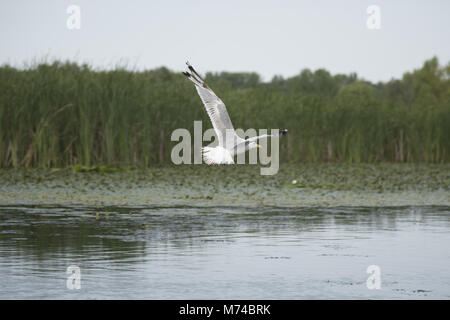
268, 37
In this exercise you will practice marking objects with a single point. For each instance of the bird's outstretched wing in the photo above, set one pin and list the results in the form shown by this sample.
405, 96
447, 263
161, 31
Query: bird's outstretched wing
215, 108
280, 133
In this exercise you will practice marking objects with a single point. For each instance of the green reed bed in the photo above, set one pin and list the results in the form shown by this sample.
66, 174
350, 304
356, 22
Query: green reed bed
61, 114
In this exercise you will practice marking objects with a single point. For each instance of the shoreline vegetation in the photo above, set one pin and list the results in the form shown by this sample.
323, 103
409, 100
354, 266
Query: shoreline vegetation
295, 185
61, 114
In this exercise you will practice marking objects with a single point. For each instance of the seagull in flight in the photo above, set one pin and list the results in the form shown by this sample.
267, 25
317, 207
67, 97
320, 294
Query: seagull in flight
230, 144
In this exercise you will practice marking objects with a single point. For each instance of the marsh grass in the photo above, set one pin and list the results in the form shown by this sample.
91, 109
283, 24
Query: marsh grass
62, 114
316, 184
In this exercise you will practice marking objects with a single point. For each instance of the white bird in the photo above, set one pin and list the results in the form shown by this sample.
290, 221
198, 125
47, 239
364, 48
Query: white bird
230, 144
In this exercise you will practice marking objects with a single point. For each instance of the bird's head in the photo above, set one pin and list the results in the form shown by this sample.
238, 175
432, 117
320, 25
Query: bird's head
253, 145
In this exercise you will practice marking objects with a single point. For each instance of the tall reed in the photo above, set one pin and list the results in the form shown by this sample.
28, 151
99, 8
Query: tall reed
59, 114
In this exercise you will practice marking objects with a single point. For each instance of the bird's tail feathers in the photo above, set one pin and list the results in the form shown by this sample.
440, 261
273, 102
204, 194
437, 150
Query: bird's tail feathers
207, 155
216, 155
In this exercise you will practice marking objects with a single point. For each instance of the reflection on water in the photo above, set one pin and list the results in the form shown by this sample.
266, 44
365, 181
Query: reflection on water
224, 252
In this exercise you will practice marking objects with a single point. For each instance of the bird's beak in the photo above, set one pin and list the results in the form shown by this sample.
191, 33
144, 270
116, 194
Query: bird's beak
258, 146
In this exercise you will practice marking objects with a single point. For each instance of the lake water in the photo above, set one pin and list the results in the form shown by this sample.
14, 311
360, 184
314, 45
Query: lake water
271, 239
224, 252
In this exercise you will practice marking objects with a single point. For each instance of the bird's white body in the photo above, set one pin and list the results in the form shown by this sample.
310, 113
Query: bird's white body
230, 144
217, 155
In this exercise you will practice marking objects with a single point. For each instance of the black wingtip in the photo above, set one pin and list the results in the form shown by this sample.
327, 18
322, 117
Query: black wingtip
186, 74
191, 68
283, 132
194, 73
